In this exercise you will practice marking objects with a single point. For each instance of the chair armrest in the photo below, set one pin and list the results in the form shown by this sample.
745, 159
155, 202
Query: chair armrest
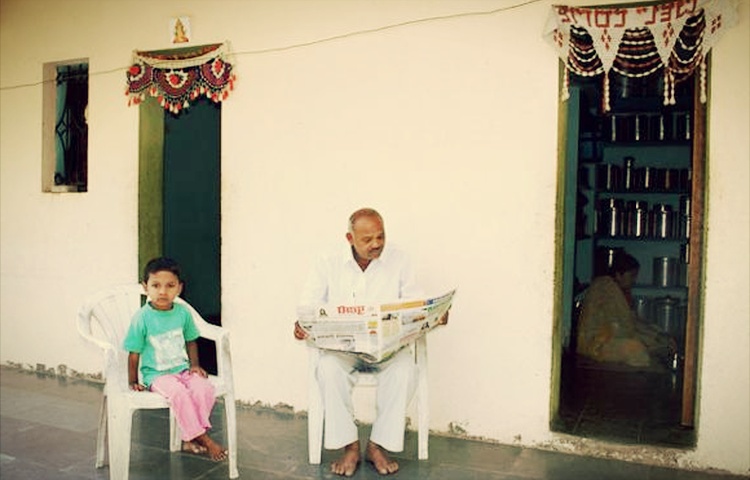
207, 330
211, 331
220, 336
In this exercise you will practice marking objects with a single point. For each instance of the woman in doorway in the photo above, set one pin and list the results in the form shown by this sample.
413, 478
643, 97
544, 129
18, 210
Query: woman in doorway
609, 330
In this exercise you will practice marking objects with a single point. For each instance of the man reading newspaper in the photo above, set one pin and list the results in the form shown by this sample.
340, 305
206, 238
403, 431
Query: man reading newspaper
373, 333
364, 273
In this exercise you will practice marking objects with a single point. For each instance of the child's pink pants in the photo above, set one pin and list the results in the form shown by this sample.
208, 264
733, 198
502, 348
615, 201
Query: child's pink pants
191, 398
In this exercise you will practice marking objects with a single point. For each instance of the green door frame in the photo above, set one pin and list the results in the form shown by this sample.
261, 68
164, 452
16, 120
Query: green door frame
150, 182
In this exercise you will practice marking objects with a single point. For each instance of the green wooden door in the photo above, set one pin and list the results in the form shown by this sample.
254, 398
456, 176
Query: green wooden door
192, 208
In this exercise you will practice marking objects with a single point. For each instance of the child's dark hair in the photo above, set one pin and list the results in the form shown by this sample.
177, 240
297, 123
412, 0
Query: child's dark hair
161, 264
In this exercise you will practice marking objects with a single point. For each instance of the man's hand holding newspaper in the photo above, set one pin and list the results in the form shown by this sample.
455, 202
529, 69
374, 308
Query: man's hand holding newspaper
371, 332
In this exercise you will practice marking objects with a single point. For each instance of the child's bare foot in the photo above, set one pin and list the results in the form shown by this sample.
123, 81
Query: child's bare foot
194, 448
347, 464
215, 451
379, 459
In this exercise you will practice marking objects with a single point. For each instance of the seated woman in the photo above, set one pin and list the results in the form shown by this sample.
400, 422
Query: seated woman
609, 329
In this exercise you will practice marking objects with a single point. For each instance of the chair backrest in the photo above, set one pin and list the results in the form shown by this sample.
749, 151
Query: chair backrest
104, 320
113, 311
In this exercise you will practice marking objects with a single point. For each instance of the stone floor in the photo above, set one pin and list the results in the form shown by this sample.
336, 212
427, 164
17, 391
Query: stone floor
48, 431
627, 407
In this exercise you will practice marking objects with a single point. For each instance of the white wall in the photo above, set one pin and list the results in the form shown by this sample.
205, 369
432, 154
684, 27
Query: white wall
724, 403
448, 127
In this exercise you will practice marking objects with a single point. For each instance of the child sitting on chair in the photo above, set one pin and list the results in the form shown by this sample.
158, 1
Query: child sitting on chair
162, 338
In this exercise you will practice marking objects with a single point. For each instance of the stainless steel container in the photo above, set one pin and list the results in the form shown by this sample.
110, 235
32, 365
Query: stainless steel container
683, 274
684, 264
682, 126
649, 127
611, 215
672, 179
684, 205
685, 253
685, 226
666, 272
637, 219
685, 218
608, 177
655, 128
628, 173
658, 180
662, 222
648, 178
668, 315
643, 308
686, 176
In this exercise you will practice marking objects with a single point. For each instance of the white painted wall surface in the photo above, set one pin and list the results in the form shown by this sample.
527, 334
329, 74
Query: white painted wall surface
724, 402
448, 127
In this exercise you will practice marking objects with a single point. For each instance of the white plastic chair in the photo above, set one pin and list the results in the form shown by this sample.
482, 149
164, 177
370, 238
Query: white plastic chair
316, 410
104, 320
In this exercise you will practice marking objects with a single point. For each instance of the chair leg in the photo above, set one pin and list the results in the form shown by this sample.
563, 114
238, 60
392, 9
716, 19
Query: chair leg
423, 433
120, 420
175, 435
101, 436
315, 416
423, 404
230, 412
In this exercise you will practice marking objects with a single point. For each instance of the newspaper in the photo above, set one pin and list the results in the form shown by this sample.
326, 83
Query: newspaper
372, 332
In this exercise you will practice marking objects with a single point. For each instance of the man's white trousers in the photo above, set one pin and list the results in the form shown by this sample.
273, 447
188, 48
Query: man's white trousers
396, 384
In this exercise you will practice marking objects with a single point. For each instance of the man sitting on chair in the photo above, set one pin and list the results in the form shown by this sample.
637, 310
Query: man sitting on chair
364, 272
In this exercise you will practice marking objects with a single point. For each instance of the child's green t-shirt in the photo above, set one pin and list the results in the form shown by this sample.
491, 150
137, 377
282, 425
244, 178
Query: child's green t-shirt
159, 337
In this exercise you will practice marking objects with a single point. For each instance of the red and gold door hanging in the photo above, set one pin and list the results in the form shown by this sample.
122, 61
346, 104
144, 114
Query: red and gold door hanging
176, 78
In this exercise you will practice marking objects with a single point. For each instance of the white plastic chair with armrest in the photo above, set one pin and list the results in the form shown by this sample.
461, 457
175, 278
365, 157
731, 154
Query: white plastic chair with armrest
104, 320
316, 410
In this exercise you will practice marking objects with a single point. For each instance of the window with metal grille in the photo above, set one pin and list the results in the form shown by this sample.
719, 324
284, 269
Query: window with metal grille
66, 127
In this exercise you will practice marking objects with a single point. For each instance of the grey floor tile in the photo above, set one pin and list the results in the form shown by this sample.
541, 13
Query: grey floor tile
551, 466
660, 473
48, 410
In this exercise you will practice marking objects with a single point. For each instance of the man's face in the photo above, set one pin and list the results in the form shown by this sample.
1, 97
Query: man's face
367, 237
162, 288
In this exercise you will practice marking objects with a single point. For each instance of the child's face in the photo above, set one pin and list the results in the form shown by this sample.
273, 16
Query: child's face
162, 287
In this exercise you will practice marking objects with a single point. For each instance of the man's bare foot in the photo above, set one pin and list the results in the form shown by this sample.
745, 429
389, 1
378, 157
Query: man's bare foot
215, 451
347, 464
380, 460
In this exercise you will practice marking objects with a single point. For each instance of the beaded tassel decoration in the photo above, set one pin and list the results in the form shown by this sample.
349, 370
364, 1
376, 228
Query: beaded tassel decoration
605, 92
669, 37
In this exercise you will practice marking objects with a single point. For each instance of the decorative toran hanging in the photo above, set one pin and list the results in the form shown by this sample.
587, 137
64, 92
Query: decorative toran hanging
671, 38
177, 78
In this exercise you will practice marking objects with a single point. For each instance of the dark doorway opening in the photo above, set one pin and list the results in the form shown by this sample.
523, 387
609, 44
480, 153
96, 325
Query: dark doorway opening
179, 202
192, 209
607, 155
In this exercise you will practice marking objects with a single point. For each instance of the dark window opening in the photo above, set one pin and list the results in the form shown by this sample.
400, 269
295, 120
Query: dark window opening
71, 126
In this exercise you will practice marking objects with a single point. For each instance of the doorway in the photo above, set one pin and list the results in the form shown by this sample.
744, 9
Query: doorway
180, 202
632, 181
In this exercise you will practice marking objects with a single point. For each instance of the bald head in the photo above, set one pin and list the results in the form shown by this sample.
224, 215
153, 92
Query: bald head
362, 213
